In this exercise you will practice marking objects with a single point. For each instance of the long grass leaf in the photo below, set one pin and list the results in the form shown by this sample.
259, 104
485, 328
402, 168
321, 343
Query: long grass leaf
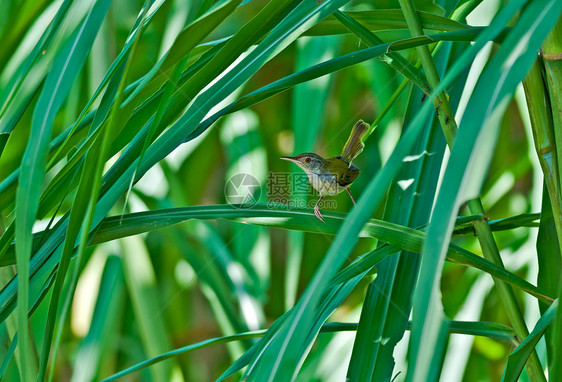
57, 85
381, 19
402, 238
517, 359
486, 329
110, 299
498, 81
141, 284
387, 305
393, 59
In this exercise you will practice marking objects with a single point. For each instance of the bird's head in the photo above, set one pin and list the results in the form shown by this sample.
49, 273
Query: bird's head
309, 162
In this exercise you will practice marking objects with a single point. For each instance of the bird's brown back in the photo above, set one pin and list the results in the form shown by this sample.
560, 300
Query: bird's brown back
349, 177
347, 172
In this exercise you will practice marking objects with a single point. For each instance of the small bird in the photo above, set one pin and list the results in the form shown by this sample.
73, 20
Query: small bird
333, 175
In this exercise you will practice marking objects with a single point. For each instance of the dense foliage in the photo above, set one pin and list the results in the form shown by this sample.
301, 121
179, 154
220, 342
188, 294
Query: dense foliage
149, 229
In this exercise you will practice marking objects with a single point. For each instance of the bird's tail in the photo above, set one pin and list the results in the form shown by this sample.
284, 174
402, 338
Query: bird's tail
354, 145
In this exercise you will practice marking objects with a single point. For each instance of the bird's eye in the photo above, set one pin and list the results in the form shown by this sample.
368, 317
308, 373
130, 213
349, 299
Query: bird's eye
307, 160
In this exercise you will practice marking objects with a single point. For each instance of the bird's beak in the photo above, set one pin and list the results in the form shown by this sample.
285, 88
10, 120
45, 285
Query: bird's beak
290, 159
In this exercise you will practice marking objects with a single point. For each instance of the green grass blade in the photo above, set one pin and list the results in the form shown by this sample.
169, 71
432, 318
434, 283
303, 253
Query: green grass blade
109, 301
80, 215
382, 19
387, 305
175, 352
77, 213
486, 329
499, 83
141, 285
479, 328
401, 237
189, 37
517, 359
8, 356
548, 256
393, 59
65, 68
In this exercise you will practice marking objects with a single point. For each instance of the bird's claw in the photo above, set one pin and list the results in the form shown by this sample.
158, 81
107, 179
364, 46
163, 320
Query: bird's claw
318, 214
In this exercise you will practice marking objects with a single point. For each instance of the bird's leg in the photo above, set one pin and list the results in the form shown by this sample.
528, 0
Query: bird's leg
351, 196
317, 210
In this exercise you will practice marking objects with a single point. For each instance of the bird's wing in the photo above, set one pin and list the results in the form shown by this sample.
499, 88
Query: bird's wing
348, 177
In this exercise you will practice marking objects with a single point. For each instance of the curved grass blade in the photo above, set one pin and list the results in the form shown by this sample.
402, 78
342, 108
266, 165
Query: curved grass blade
8, 356
517, 359
42, 294
479, 328
402, 238
393, 59
58, 82
548, 278
187, 40
387, 305
512, 222
381, 19
80, 214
